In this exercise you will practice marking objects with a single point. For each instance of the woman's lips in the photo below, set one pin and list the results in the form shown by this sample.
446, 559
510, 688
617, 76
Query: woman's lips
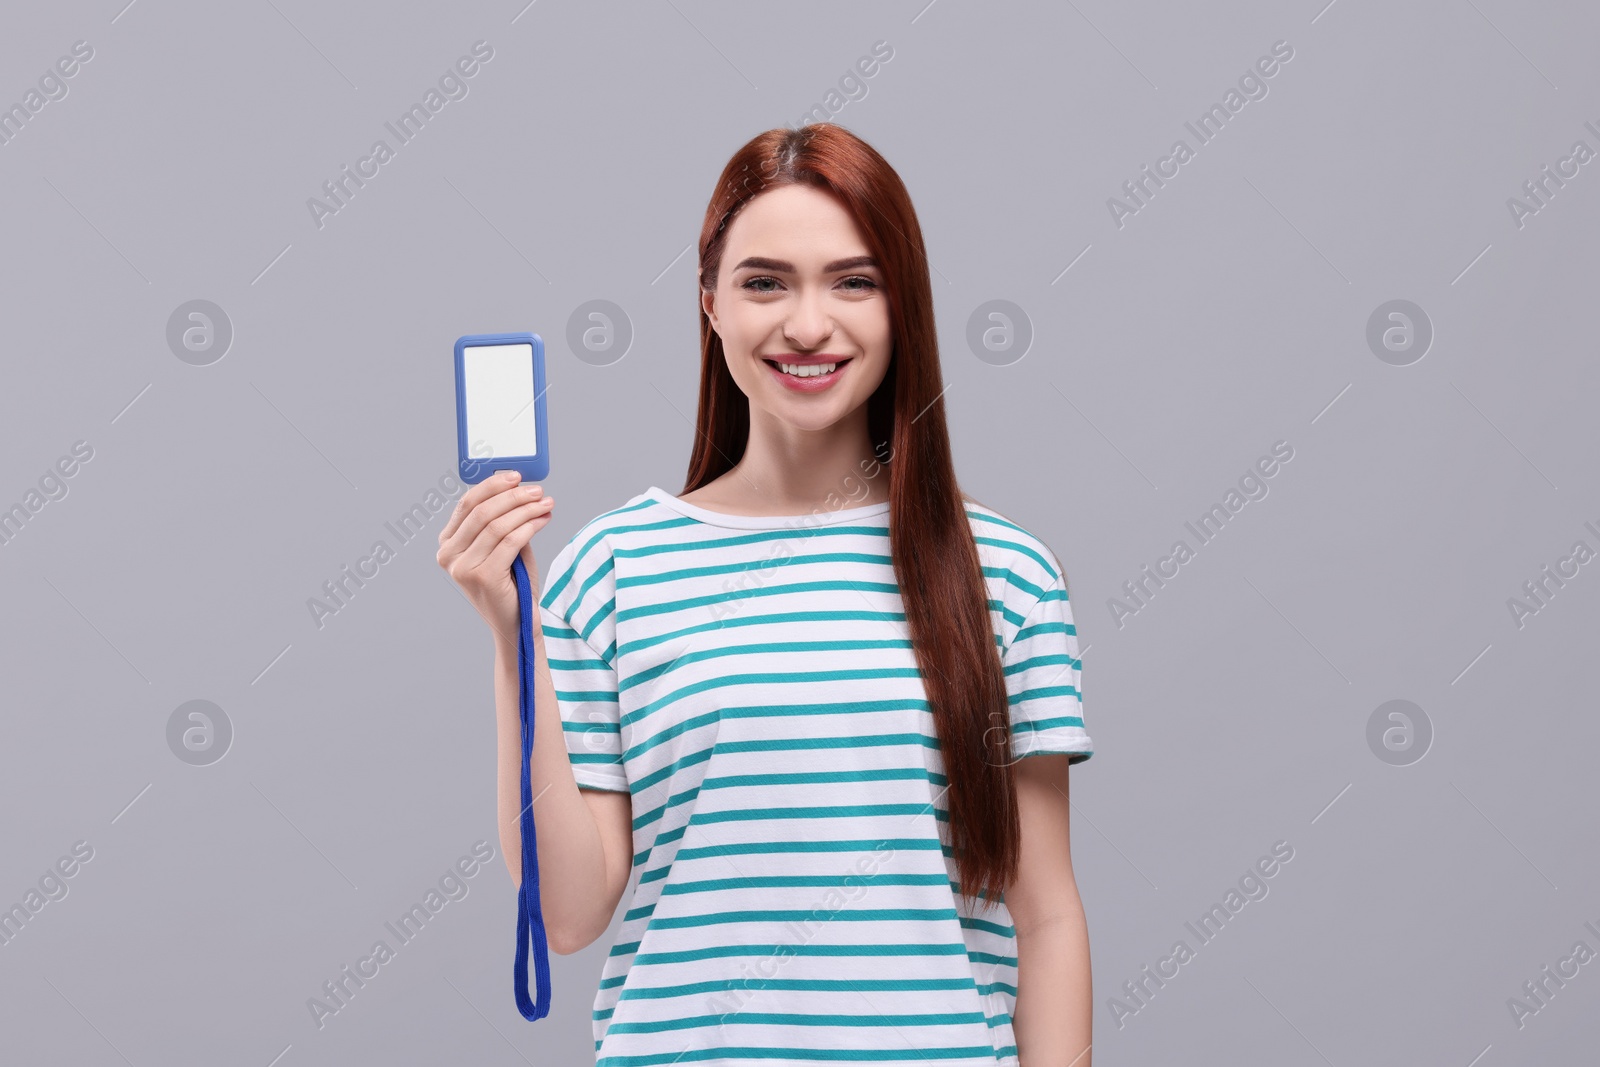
813, 384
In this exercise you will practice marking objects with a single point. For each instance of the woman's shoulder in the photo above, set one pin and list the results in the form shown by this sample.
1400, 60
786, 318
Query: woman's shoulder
586, 558
629, 513
595, 536
1022, 557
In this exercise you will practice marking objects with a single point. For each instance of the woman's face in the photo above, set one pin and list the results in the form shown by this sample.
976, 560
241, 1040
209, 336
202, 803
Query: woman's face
797, 287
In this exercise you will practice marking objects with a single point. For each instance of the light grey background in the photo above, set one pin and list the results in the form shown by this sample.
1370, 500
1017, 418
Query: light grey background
1229, 313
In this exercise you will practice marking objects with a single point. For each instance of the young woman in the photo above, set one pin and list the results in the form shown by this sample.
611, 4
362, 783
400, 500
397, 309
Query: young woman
794, 699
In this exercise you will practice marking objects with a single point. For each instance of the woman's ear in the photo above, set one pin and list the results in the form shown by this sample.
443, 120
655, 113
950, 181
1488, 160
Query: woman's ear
708, 304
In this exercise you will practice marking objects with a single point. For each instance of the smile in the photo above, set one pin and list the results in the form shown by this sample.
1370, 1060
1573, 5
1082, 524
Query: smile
807, 377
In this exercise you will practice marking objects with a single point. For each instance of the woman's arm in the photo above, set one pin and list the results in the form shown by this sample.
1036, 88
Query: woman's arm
567, 833
492, 526
1052, 1020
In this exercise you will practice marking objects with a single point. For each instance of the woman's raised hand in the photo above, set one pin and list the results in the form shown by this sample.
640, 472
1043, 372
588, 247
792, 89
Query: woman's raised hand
493, 522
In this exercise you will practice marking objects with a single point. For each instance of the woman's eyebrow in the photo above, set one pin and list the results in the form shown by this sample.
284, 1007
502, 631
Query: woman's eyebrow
784, 266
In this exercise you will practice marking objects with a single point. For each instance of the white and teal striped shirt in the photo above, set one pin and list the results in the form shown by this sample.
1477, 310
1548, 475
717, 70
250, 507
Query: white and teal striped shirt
750, 681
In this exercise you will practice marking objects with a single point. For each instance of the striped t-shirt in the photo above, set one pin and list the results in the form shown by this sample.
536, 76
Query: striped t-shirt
751, 683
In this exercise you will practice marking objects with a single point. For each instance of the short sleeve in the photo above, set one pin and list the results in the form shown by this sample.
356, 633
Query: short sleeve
1042, 681
577, 614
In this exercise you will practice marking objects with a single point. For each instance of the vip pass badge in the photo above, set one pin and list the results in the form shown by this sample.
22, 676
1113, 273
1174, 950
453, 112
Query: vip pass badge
500, 425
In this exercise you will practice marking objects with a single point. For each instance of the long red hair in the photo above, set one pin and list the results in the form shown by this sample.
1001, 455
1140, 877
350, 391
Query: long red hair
935, 558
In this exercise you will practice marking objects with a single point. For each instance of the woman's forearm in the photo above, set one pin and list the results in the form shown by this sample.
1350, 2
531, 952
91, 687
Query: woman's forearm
568, 838
1052, 1019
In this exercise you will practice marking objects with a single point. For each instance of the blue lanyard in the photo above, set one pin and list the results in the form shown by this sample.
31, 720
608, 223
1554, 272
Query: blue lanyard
530, 920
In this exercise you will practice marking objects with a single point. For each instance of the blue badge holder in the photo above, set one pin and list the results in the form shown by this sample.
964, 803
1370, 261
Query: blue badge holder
477, 460
504, 378
530, 920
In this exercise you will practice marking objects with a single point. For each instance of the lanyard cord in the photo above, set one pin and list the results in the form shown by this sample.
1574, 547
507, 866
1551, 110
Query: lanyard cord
530, 920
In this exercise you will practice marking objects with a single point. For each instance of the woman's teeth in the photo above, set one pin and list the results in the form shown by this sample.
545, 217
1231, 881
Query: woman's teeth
807, 370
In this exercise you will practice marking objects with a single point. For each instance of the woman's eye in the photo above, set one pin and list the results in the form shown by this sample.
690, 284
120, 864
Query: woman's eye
758, 284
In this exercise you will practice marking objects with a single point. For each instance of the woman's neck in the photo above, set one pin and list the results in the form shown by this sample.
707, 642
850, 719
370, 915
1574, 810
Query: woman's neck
786, 470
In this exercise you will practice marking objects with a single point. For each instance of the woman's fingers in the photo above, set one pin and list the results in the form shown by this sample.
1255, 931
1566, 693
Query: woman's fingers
459, 544
469, 500
499, 559
477, 494
495, 532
